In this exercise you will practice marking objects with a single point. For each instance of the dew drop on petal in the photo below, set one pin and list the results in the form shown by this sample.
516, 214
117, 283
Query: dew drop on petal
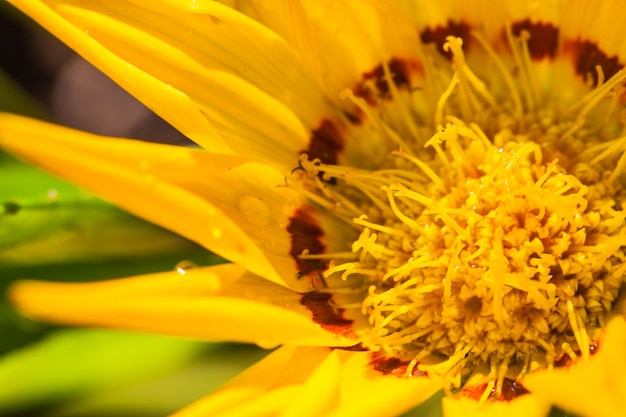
183, 266
255, 210
265, 344
52, 194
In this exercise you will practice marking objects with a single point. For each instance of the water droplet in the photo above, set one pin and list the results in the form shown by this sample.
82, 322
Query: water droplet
264, 344
183, 266
52, 194
255, 210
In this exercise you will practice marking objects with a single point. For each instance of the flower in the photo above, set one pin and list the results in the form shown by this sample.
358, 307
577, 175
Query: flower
414, 196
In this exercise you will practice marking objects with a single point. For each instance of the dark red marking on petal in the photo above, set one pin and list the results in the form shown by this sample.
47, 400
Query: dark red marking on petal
306, 234
438, 35
586, 55
356, 348
393, 366
325, 313
544, 38
565, 360
399, 70
326, 143
510, 390
354, 118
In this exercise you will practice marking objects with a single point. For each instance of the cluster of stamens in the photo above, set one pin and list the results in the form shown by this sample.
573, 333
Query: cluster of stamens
488, 250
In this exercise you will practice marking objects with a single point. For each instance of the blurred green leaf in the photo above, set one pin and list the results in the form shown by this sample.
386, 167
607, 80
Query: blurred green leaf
45, 220
166, 395
73, 364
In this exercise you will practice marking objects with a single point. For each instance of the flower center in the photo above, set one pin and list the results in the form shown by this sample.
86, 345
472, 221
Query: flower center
487, 250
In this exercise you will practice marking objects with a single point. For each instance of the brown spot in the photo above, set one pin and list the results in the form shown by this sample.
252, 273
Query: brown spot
473, 304
510, 390
325, 313
587, 55
565, 360
326, 143
544, 38
306, 234
399, 70
356, 348
393, 366
439, 34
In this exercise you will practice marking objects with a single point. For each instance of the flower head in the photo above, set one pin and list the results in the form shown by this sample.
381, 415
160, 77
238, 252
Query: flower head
434, 192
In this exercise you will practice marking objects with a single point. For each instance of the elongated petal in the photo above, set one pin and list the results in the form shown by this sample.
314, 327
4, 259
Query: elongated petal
320, 392
593, 388
322, 382
339, 40
207, 303
265, 388
231, 206
525, 406
366, 392
244, 79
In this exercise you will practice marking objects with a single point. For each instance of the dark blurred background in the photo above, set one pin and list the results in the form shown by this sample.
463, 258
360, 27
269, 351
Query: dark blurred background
68, 89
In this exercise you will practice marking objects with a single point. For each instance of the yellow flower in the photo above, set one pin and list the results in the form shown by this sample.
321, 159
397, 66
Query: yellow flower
415, 196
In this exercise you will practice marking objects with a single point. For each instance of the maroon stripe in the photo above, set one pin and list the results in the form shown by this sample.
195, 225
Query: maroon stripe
438, 35
325, 313
326, 143
399, 70
544, 38
586, 55
306, 234
510, 390
393, 366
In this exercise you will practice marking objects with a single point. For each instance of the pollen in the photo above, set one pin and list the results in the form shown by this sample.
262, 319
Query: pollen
491, 241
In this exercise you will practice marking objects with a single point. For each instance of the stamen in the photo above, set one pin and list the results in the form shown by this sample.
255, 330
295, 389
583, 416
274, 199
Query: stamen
408, 120
453, 45
423, 167
379, 124
506, 76
362, 220
518, 56
591, 100
526, 60
441, 103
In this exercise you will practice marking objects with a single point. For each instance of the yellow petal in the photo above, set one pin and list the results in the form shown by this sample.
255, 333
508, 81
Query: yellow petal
331, 62
232, 207
319, 393
323, 383
592, 388
527, 405
264, 389
366, 392
217, 60
585, 21
207, 303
